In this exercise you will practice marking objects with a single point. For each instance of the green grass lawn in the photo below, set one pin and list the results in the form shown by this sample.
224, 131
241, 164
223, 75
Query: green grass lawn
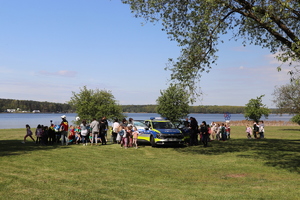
234, 169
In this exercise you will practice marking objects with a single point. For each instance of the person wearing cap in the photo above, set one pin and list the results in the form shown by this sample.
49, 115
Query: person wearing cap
64, 126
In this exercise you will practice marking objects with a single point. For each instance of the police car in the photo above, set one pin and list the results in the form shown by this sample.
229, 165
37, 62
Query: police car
161, 132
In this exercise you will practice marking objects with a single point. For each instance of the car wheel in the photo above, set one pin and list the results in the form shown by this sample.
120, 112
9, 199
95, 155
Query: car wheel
152, 141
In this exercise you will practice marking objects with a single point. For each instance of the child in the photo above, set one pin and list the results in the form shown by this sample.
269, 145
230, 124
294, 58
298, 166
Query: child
218, 132
248, 131
135, 137
71, 136
45, 135
28, 133
129, 132
78, 136
84, 132
120, 135
124, 139
38, 134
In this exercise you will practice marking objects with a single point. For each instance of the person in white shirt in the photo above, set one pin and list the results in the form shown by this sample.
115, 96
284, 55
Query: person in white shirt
115, 130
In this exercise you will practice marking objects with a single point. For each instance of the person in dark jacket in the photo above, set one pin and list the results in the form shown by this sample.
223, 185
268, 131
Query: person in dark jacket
194, 131
204, 133
103, 130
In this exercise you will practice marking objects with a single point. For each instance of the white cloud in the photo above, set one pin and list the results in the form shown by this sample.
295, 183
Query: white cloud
64, 73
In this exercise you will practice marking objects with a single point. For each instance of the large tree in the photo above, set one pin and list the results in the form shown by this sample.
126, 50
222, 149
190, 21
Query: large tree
173, 103
97, 103
198, 24
287, 99
255, 109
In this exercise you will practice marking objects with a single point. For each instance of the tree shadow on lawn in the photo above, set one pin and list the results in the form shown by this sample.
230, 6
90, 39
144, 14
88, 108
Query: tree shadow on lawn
15, 147
276, 152
289, 129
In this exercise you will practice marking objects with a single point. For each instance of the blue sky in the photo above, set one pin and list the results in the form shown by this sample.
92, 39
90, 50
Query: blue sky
50, 48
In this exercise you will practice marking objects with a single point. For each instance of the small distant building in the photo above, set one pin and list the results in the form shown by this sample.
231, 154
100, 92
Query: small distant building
36, 111
10, 110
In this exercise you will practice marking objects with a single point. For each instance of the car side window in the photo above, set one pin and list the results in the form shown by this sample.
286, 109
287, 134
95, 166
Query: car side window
147, 123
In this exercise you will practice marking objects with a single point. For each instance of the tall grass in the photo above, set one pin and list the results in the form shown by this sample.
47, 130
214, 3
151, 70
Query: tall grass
235, 169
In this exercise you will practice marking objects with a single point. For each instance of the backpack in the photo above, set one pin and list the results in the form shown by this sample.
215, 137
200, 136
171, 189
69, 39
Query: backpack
223, 130
121, 133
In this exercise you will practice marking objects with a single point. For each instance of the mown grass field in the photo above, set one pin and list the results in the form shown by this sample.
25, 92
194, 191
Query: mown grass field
234, 169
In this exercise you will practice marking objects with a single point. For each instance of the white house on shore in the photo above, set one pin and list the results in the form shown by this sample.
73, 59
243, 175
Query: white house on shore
36, 111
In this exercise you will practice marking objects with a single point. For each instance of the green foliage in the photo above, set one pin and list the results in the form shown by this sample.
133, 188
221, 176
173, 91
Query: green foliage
173, 103
27, 105
287, 97
97, 103
255, 109
139, 108
217, 109
192, 109
296, 119
197, 25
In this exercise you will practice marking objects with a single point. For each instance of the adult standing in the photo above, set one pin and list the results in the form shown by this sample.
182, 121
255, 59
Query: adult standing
255, 130
115, 130
106, 127
95, 131
64, 127
213, 131
261, 130
124, 122
130, 121
186, 123
103, 130
194, 131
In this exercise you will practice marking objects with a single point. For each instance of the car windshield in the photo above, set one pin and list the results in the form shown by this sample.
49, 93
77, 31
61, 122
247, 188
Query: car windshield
163, 125
140, 124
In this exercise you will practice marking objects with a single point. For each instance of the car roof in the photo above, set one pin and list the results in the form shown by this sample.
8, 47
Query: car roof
158, 120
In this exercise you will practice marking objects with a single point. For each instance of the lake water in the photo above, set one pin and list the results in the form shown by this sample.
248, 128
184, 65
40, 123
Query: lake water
19, 120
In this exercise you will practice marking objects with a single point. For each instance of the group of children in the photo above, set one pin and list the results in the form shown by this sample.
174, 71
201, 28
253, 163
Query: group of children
44, 135
48, 135
258, 130
219, 131
127, 135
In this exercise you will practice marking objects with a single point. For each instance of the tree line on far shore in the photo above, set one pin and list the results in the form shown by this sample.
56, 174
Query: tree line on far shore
13, 105
50, 107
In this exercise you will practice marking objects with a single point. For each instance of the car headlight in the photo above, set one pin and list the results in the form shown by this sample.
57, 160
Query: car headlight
160, 136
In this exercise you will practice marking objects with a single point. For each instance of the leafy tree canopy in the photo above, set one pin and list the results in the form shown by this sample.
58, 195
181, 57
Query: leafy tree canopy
198, 24
296, 119
287, 97
255, 109
173, 103
97, 103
